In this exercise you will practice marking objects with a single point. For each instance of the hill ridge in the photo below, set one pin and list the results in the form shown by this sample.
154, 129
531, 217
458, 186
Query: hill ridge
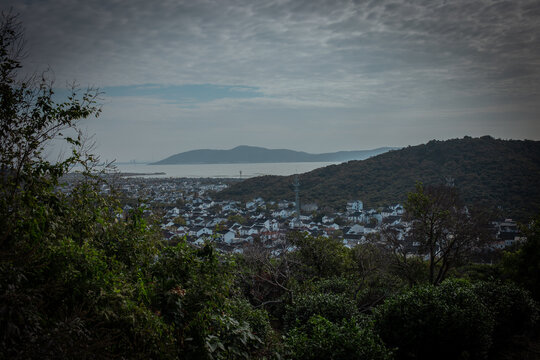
255, 154
489, 172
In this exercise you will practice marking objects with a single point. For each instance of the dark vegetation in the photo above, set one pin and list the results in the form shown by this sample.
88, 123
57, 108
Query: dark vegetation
79, 279
489, 172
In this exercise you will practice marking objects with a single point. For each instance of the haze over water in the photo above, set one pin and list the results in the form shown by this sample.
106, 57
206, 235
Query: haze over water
221, 170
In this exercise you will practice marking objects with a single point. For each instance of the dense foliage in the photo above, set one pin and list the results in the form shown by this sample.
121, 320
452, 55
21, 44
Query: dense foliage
523, 265
490, 172
320, 338
444, 322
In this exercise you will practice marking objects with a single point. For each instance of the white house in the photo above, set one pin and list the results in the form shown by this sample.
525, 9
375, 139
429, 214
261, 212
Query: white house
397, 209
228, 236
229, 207
356, 217
356, 230
326, 219
204, 231
271, 225
355, 205
282, 213
333, 226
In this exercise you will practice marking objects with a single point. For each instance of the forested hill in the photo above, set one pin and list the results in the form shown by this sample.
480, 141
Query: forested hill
487, 171
253, 154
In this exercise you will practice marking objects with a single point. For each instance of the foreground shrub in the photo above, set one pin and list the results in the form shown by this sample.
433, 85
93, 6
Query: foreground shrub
514, 312
257, 319
70, 303
333, 307
319, 338
428, 322
523, 265
230, 339
334, 285
320, 257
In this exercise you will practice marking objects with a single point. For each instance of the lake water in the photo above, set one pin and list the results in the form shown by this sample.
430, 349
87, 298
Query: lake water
221, 170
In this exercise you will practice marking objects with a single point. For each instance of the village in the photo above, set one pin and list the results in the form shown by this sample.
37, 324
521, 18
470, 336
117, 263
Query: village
184, 207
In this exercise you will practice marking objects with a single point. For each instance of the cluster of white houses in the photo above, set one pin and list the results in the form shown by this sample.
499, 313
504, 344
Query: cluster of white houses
231, 225
190, 212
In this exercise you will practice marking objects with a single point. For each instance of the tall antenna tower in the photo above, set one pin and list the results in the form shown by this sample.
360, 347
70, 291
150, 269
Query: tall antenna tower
296, 185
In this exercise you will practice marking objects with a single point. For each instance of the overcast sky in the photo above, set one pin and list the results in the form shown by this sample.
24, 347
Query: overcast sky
310, 75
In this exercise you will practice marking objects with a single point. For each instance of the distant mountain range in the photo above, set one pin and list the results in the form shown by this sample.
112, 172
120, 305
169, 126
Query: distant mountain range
489, 172
253, 154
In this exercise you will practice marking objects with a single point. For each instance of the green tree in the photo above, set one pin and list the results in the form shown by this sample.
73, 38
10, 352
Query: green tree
445, 229
515, 316
180, 220
320, 338
81, 279
445, 322
72, 275
333, 307
523, 264
373, 271
237, 218
194, 293
403, 262
320, 257
30, 119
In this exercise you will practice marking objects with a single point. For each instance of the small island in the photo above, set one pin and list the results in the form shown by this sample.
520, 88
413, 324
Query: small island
253, 154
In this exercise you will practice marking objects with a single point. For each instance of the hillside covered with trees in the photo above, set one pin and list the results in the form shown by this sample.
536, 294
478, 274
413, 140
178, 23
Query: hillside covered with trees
488, 172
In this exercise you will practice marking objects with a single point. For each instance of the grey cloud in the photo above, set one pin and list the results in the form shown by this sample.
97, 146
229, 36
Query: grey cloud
223, 41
